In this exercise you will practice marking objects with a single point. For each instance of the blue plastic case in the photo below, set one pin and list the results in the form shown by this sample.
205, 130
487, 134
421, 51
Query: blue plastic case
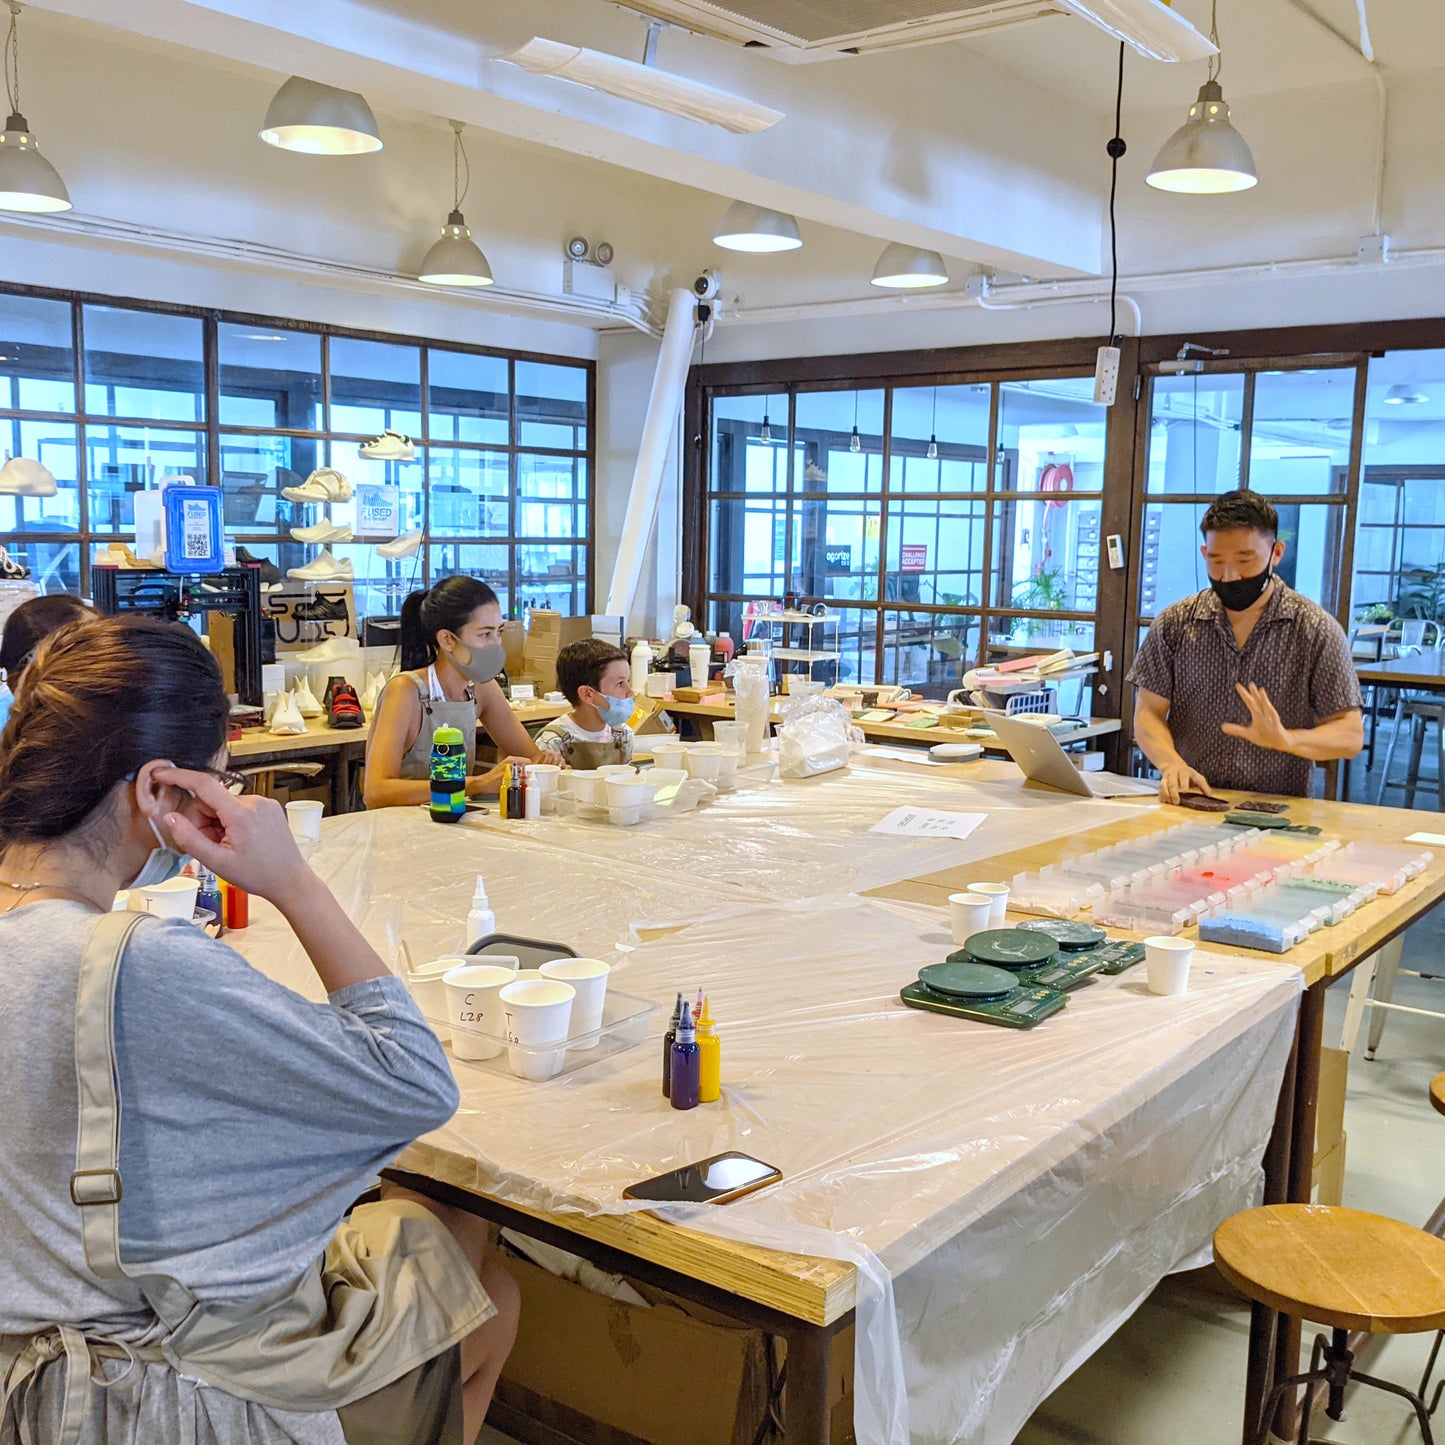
194, 538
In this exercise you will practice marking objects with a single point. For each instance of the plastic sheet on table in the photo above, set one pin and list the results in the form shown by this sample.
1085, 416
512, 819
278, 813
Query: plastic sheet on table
1025, 1190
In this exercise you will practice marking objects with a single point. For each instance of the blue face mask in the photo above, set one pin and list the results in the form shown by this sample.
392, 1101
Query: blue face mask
615, 711
162, 865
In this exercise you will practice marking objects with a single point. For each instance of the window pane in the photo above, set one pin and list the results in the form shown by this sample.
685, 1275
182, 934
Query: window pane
955, 418
54, 566
467, 397
375, 385
935, 551
1014, 637
37, 363
1170, 564
124, 460
386, 497
468, 492
253, 472
486, 562
1300, 441
748, 542
825, 423
552, 576
551, 496
741, 460
835, 548
270, 377
1050, 436
53, 444
1314, 538
929, 652
858, 646
143, 364
551, 405
1194, 433
1046, 555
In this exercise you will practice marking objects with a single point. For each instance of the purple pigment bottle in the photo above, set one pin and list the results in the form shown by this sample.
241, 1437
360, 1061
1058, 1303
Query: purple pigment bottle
686, 1062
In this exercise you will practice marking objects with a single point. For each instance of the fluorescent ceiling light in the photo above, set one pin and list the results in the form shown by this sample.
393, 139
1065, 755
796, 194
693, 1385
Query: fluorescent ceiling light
907, 268
755, 228
1206, 155
644, 84
1402, 395
320, 120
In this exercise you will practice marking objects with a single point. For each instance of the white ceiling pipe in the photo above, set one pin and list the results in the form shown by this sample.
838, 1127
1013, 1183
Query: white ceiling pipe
663, 406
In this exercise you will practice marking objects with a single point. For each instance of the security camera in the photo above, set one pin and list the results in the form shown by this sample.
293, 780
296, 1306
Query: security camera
707, 285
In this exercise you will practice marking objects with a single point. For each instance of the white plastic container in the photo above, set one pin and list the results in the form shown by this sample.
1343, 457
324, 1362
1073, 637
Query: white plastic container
699, 657
641, 666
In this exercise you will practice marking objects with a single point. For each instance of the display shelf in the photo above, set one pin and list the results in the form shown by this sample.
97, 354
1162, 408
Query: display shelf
803, 654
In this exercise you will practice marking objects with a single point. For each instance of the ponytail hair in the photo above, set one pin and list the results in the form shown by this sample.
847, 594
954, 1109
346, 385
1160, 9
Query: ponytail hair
444, 607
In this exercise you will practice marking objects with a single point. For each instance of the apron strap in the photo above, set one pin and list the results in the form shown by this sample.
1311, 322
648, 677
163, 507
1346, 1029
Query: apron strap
95, 1186
67, 1343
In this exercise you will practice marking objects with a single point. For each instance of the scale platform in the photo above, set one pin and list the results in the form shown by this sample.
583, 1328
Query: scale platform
982, 993
1066, 933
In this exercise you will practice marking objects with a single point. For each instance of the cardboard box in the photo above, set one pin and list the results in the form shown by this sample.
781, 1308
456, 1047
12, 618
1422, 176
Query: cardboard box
1330, 1115
514, 638
1328, 1185
600, 1370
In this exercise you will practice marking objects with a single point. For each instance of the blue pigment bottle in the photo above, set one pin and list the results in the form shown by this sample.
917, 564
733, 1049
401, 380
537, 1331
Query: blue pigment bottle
686, 1063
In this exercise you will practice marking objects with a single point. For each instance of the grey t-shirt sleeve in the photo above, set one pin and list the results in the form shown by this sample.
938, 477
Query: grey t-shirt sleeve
1334, 683
252, 1117
1153, 668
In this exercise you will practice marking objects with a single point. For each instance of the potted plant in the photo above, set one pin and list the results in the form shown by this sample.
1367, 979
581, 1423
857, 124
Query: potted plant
1422, 592
1045, 591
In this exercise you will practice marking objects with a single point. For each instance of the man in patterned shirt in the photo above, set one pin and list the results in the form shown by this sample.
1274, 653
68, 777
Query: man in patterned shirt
1247, 684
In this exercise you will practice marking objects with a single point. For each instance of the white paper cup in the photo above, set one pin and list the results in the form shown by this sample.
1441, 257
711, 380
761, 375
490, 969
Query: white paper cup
968, 913
424, 983
544, 777
703, 760
175, 898
666, 752
1167, 961
588, 977
733, 736
537, 1012
997, 894
583, 784
304, 819
474, 1008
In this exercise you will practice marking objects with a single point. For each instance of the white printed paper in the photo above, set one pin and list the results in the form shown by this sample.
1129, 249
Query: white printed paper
1435, 840
911, 822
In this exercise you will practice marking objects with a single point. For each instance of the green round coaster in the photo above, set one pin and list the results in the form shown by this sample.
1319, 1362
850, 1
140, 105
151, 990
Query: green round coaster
1066, 933
1010, 948
967, 980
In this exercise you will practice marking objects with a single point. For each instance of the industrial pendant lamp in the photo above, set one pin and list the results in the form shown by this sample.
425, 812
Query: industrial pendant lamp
766, 434
320, 120
906, 268
457, 260
754, 228
28, 182
855, 442
1206, 155
933, 430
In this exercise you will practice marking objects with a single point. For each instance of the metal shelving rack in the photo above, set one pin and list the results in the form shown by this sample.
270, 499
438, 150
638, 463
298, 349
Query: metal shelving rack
788, 629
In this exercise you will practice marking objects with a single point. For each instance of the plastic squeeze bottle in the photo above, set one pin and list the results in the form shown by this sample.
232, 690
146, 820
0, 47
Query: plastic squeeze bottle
709, 1058
533, 808
481, 921
641, 666
668, 1039
685, 1062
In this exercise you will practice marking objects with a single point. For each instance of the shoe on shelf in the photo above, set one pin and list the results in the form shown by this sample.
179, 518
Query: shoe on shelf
343, 707
325, 568
20, 477
374, 687
287, 719
322, 532
325, 484
270, 572
403, 546
390, 446
305, 699
117, 554
320, 609
331, 649
10, 569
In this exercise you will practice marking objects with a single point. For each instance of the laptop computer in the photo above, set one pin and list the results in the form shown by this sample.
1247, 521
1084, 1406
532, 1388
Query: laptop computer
1039, 753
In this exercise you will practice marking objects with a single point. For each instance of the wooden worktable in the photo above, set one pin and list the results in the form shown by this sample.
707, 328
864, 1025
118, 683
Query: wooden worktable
1421, 671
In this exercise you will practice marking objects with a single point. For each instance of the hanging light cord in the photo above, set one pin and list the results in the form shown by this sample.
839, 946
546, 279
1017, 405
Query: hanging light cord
12, 59
460, 164
1116, 149
1216, 61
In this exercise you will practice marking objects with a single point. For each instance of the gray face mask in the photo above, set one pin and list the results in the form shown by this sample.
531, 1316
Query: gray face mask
478, 664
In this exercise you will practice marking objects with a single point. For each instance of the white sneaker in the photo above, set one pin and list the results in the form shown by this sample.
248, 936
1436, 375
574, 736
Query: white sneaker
390, 446
305, 700
333, 649
20, 477
403, 546
325, 484
321, 532
287, 719
375, 684
325, 568
10, 569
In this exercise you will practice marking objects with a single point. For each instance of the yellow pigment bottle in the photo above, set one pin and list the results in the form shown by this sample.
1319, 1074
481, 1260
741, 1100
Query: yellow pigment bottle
709, 1072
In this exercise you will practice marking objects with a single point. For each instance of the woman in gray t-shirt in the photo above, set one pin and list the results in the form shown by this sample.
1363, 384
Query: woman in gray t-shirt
251, 1117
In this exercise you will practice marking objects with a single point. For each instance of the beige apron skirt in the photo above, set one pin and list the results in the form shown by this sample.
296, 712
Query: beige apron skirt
392, 1292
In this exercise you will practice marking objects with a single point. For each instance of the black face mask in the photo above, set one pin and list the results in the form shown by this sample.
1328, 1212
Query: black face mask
1241, 594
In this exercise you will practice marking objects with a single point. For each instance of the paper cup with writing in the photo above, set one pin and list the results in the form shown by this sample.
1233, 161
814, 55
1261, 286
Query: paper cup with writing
175, 898
536, 1014
474, 1008
588, 976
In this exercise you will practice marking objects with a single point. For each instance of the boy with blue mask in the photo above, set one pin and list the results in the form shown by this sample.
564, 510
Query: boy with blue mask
596, 678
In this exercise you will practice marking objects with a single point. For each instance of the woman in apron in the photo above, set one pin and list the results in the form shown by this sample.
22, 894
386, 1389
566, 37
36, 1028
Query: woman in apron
182, 1137
451, 653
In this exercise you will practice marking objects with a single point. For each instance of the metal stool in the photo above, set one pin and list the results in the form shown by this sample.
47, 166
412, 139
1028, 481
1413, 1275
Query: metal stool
1342, 1268
1437, 1098
1421, 712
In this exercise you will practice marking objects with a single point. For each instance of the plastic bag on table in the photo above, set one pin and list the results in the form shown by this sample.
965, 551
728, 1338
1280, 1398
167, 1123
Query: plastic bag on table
815, 737
752, 684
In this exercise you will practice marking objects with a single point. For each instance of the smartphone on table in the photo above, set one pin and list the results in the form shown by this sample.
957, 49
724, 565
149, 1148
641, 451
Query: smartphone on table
718, 1180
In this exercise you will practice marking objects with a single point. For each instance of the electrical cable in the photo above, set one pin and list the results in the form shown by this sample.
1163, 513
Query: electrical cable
12, 59
1116, 149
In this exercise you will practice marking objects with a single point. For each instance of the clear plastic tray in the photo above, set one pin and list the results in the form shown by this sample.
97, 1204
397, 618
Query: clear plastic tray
626, 1022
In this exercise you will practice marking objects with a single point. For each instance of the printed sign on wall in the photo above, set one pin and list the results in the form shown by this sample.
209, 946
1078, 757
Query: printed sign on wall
915, 557
378, 511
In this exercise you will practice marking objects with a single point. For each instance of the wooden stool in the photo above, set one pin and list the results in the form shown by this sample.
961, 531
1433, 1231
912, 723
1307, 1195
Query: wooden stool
1342, 1268
1437, 1093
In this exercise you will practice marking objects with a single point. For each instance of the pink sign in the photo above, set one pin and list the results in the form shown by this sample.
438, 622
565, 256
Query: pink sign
915, 556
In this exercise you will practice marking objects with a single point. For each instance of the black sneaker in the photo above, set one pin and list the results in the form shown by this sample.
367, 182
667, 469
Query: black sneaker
270, 573
343, 707
320, 609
